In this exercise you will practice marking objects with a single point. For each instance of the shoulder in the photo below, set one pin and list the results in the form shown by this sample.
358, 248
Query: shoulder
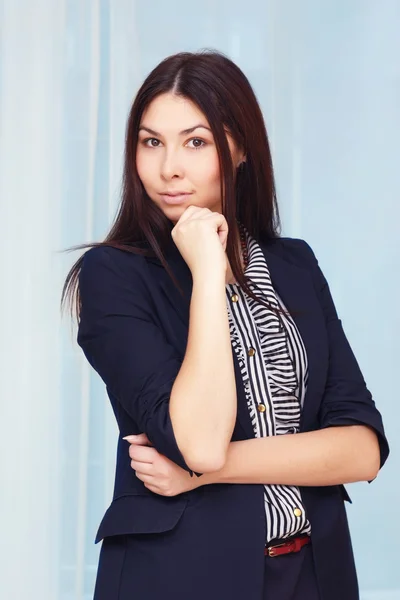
108, 258
294, 250
106, 267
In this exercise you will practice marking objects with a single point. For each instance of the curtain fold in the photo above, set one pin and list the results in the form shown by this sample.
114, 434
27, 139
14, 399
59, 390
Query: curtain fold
31, 113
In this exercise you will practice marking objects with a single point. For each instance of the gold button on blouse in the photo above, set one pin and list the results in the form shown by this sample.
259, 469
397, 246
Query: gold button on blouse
235, 298
297, 512
251, 352
261, 408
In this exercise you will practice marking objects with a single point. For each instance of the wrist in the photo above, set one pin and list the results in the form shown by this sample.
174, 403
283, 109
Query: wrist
214, 274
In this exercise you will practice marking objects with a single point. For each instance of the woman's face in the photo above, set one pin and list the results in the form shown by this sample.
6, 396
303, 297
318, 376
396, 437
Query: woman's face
170, 159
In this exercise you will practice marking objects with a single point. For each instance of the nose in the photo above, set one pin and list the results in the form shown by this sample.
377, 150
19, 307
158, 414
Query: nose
171, 166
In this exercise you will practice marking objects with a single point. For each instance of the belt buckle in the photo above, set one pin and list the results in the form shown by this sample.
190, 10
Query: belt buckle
271, 548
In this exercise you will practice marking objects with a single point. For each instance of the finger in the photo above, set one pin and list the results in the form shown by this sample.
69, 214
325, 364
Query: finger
140, 438
142, 468
154, 489
191, 211
143, 454
147, 479
219, 222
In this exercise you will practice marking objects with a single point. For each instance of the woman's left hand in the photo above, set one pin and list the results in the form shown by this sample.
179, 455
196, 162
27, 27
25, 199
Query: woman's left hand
159, 474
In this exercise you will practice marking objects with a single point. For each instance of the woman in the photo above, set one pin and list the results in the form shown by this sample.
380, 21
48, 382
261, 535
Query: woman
225, 362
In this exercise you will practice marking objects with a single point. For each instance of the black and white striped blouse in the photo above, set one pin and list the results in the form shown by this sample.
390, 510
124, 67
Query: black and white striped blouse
273, 363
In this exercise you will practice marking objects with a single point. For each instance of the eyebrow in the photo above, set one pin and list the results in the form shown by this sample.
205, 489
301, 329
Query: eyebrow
184, 132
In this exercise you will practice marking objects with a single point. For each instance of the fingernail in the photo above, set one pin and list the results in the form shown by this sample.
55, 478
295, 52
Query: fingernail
129, 438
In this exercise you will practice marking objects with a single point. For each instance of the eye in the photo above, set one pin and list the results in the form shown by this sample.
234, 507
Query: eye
202, 142
144, 142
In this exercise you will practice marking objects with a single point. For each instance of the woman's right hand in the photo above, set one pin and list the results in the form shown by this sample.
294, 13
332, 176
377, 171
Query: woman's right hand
200, 236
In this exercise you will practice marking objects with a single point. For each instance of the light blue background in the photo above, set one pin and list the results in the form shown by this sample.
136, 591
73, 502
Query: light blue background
327, 75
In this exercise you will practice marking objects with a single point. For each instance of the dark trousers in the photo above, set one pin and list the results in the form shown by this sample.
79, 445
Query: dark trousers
125, 573
291, 577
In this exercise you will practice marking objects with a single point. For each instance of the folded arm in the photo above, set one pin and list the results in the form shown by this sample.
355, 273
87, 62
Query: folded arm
325, 457
350, 444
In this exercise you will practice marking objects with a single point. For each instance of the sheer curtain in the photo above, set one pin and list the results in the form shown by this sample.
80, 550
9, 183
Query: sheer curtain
328, 79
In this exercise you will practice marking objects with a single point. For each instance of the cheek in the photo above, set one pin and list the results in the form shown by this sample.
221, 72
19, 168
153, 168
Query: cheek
143, 168
206, 172
148, 169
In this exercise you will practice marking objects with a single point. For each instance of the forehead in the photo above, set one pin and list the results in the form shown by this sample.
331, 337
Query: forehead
172, 113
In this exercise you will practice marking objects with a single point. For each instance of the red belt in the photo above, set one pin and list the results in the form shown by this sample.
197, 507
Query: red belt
294, 545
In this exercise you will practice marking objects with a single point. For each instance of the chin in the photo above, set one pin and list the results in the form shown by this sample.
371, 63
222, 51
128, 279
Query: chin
174, 212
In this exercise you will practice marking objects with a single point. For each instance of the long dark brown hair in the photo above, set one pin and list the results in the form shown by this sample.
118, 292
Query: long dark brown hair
223, 93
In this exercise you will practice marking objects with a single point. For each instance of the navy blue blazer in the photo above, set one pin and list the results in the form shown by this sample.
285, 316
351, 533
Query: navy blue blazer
133, 331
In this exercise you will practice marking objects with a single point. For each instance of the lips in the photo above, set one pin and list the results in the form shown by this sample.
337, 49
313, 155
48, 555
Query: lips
175, 198
174, 193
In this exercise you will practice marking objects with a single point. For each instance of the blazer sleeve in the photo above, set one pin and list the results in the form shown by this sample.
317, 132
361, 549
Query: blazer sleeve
346, 400
124, 345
